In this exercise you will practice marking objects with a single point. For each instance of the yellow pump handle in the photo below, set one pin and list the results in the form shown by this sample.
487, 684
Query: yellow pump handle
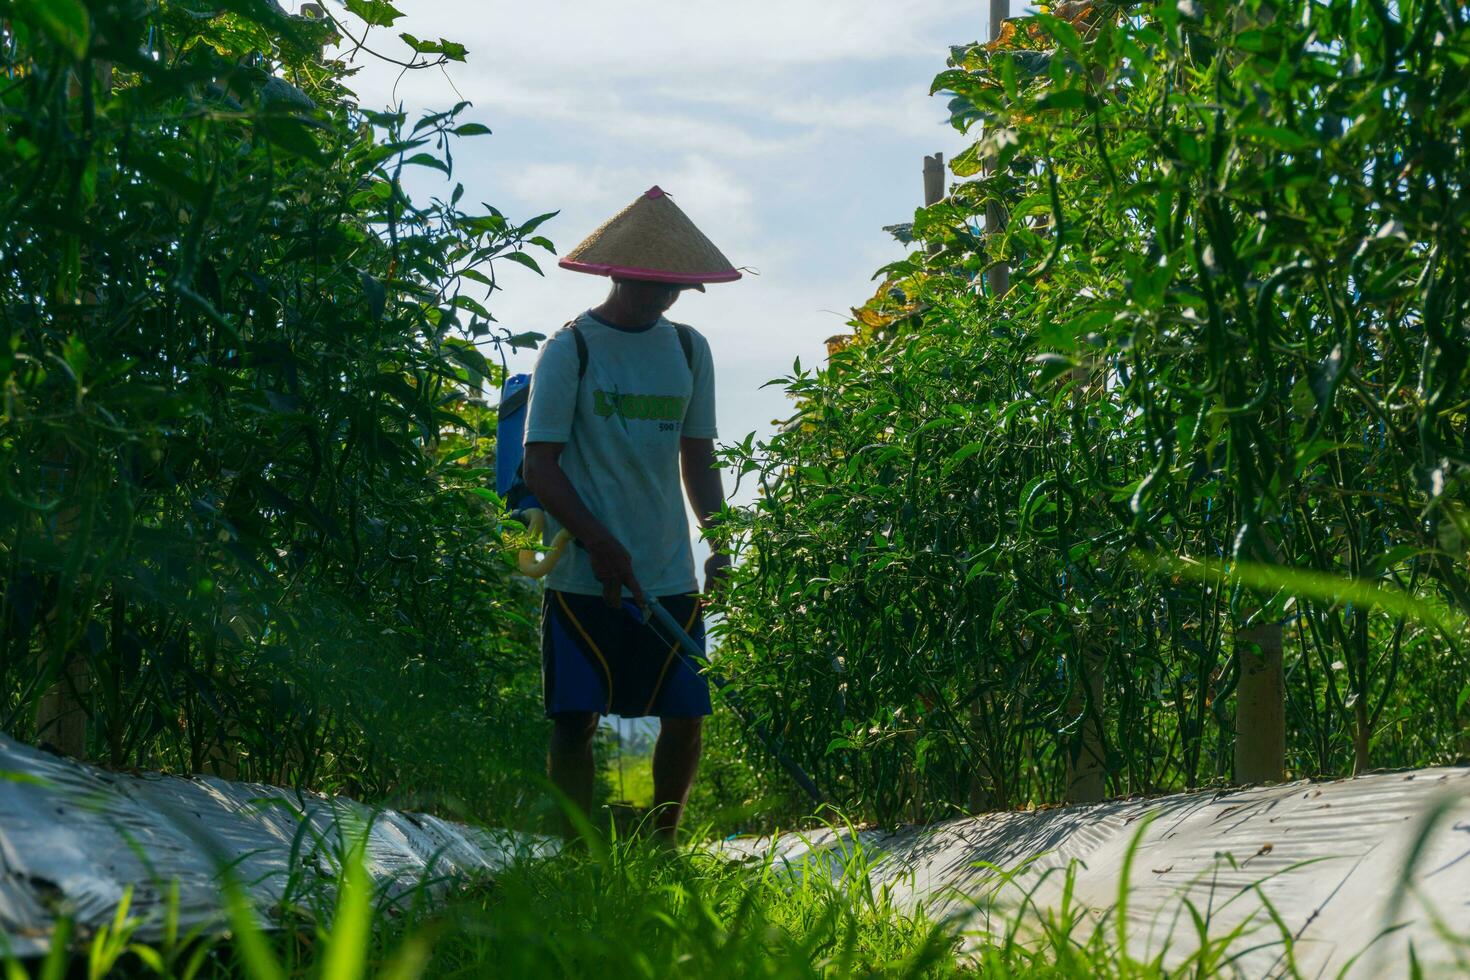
526, 560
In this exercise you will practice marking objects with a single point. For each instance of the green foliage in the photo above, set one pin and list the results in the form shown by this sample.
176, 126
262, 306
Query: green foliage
1236, 333
243, 440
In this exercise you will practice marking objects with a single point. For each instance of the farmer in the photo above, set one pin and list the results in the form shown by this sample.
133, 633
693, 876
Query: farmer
622, 402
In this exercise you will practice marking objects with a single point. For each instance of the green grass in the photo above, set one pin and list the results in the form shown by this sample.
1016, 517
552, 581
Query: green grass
633, 912
631, 779
630, 909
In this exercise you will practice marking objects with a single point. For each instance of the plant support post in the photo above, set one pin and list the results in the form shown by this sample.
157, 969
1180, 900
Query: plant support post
1087, 748
998, 276
1260, 705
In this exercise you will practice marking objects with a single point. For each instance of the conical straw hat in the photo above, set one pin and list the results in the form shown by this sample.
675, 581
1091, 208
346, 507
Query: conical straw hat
651, 240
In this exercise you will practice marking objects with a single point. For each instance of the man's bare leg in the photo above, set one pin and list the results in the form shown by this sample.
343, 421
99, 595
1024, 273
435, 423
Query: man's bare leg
570, 764
675, 760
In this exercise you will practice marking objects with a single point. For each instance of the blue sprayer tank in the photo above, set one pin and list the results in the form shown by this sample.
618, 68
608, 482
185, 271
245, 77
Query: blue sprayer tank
510, 434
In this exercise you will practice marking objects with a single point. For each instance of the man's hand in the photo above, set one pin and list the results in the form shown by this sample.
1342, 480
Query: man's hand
716, 573
613, 567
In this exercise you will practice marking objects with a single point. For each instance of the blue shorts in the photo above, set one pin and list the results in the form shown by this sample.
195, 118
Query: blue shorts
605, 661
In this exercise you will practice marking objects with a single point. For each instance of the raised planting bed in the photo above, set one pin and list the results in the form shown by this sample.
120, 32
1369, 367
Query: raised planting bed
75, 838
1321, 877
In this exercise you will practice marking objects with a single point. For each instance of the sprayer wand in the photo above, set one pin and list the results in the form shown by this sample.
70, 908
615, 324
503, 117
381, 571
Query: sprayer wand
659, 620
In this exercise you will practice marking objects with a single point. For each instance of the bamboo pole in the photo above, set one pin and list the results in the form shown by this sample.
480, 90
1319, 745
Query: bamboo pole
933, 194
999, 279
1086, 778
998, 276
63, 712
1260, 694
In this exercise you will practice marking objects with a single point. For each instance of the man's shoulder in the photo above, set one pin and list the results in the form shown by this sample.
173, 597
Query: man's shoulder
697, 339
563, 333
680, 325
559, 342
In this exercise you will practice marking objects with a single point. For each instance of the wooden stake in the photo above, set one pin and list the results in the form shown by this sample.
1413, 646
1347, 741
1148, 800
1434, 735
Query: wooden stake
62, 714
933, 186
1086, 751
933, 179
1260, 705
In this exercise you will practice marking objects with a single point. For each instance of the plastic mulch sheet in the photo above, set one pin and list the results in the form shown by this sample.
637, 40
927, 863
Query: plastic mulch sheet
1354, 871
74, 838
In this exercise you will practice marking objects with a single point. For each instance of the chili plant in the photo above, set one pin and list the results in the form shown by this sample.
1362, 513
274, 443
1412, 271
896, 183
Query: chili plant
244, 442
1236, 331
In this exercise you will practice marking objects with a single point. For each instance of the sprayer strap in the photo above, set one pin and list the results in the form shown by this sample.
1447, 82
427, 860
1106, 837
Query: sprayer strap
581, 349
512, 404
686, 344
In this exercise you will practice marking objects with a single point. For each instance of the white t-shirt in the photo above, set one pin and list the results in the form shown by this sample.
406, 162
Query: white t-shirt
622, 427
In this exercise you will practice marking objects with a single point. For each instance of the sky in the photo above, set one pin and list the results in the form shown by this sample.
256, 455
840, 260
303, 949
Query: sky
790, 132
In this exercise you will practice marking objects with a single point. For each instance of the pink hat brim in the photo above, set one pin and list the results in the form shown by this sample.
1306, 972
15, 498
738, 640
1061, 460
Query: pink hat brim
649, 275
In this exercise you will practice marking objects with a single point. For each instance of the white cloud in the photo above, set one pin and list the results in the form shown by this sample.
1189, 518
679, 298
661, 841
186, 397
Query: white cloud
791, 131
652, 70
602, 112
683, 40
718, 199
914, 113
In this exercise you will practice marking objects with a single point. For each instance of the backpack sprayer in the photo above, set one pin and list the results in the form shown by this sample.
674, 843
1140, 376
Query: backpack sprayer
525, 508
523, 505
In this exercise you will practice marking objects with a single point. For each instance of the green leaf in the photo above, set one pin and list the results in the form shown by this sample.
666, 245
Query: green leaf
839, 743
168, 178
1279, 136
248, 940
969, 162
427, 160
66, 22
352, 925
1071, 333
29, 779
377, 13
464, 302
1066, 99
470, 357
536, 222
1052, 366
1064, 32
528, 340
980, 564
521, 258
959, 456
1399, 553
420, 45
291, 135
472, 129
1313, 451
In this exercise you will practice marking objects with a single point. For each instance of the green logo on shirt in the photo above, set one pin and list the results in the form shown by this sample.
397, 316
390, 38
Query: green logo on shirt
653, 408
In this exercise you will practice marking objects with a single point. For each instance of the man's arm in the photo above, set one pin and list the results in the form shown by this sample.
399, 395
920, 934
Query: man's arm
706, 493
611, 563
